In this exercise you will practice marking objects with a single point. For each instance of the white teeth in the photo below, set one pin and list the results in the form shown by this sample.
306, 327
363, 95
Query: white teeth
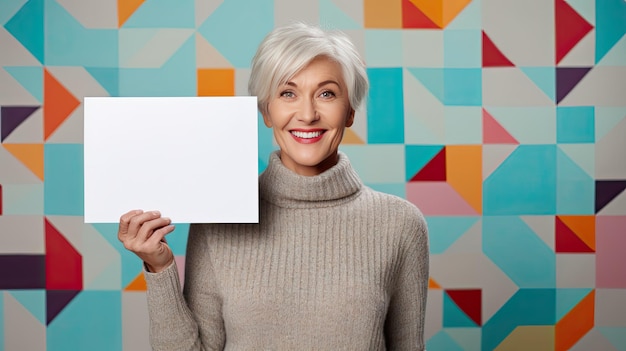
306, 135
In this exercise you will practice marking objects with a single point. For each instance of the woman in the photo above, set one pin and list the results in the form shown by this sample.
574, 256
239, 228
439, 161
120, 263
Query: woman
332, 265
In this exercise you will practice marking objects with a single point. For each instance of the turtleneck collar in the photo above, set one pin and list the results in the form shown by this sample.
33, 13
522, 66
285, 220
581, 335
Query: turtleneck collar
285, 188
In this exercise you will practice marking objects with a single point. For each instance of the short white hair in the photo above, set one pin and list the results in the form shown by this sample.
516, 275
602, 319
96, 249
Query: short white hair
288, 49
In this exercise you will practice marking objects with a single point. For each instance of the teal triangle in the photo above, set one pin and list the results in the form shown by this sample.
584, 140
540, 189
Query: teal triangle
335, 17
417, 156
581, 154
467, 338
163, 14
585, 8
108, 279
544, 78
27, 27
34, 301
566, 299
31, 78
444, 231
453, 316
610, 25
615, 335
431, 78
442, 341
108, 78
8, 8
616, 56
133, 40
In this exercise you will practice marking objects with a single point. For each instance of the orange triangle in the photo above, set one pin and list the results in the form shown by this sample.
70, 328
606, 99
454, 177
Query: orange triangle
413, 17
584, 227
464, 173
432, 284
58, 104
576, 323
451, 9
138, 284
350, 137
433, 9
31, 155
494, 133
125, 9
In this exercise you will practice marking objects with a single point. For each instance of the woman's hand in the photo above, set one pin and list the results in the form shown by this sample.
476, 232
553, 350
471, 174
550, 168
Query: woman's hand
144, 234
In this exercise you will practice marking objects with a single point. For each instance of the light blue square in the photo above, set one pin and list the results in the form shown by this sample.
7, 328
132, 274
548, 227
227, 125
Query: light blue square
463, 125
64, 183
575, 124
462, 86
385, 106
462, 48
390, 40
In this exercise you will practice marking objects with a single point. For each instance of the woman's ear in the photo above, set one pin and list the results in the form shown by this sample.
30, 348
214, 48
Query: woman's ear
350, 119
266, 119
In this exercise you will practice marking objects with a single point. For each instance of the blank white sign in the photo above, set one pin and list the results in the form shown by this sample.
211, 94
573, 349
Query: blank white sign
195, 159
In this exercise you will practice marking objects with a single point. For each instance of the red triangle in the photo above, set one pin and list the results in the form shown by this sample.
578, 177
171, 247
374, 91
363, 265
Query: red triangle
412, 17
58, 104
566, 241
64, 265
492, 56
435, 170
494, 132
570, 28
469, 301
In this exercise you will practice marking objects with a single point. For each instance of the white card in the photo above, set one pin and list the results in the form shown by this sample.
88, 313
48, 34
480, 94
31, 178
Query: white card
195, 159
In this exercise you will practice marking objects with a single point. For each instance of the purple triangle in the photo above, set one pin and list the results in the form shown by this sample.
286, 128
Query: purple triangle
56, 300
607, 190
12, 117
567, 78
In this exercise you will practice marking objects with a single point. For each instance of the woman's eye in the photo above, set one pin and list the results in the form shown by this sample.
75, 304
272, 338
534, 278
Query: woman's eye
327, 94
287, 94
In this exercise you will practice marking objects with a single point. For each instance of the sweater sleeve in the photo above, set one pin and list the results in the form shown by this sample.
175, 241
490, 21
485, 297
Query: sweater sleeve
404, 325
189, 319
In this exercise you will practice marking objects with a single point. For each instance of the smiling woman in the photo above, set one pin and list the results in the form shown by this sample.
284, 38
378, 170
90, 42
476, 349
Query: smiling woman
331, 265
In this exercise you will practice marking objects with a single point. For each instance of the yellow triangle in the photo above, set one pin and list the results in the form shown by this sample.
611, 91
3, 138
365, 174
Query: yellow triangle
138, 284
125, 9
31, 156
350, 137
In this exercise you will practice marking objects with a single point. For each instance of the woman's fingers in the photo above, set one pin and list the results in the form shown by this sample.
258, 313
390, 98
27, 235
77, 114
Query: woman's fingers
159, 234
125, 219
148, 228
137, 222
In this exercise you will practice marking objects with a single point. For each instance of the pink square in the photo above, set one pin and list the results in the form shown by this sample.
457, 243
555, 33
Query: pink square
610, 252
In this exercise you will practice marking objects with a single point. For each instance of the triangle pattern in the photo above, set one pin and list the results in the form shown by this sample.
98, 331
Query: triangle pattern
615, 335
56, 300
494, 132
567, 78
469, 301
566, 241
58, 104
107, 77
31, 78
451, 9
350, 137
433, 9
567, 299
576, 323
453, 314
431, 78
34, 301
138, 284
435, 170
570, 28
464, 173
544, 79
413, 17
12, 116
615, 56
31, 156
492, 56
207, 56
584, 227
432, 284
417, 156
607, 190
336, 17
610, 25
125, 9
64, 265
27, 26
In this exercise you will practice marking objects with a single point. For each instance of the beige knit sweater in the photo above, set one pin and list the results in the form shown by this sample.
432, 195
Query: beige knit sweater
332, 265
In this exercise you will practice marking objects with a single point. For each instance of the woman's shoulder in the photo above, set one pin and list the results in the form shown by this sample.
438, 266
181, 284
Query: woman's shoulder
397, 208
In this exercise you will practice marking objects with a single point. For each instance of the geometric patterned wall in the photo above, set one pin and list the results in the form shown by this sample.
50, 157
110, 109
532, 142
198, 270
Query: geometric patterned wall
503, 120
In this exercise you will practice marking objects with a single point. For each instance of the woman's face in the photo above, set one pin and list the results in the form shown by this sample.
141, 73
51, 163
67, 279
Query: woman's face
308, 116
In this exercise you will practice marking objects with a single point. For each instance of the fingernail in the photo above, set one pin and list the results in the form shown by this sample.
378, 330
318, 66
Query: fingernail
156, 213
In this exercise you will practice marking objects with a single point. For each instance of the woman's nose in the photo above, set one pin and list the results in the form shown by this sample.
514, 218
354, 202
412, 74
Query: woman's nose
308, 111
